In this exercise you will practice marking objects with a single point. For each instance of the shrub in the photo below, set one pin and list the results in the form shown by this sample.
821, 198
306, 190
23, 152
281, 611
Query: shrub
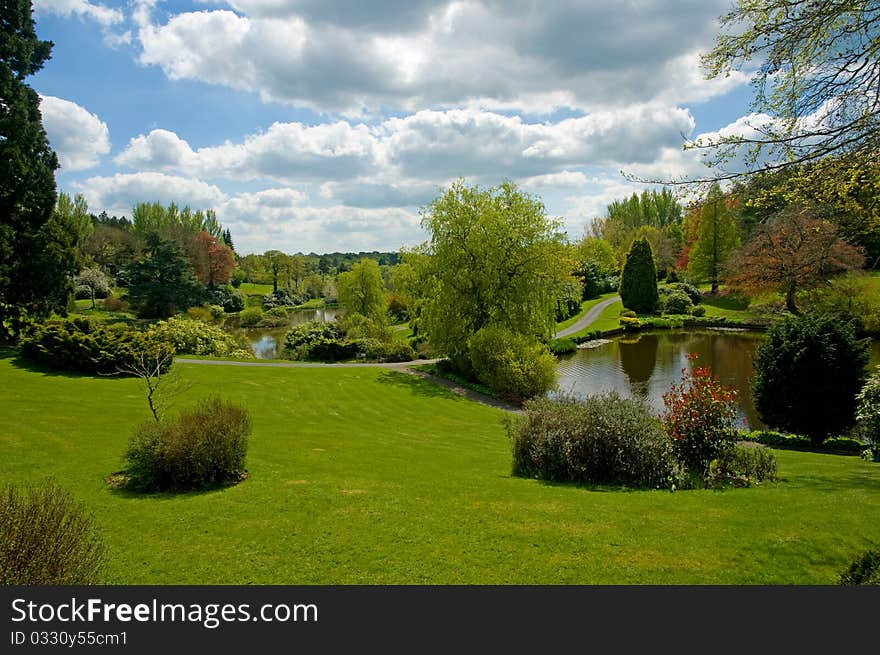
393, 351
630, 323
310, 332
114, 304
699, 416
205, 446
562, 346
46, 538
227, 297
82, 345
677, 302
328, 350
275, 317
638, 282
868, 412
212, 314
628, 313
743, 466
601, 440
196, 338
698, 310
358, 326
808, 372
513, 365
250, 317
865, 570
283, 298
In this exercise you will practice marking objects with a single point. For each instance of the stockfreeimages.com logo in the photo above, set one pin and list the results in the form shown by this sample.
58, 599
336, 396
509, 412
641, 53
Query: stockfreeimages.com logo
209, 615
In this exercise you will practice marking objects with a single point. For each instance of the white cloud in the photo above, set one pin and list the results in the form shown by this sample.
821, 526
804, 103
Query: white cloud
352, 57
101, 14
117, 194
77, 136
271, 219
402, 160
286, 152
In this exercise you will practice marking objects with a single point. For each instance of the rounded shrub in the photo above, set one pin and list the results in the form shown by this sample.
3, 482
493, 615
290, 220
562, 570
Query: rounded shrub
205, 446
677, 302
513, 365
47, 538
604, 439
743, 466
868, 412
808, 372
307, 333
83, 345
197, 338
698, 310
250, 317
275, 317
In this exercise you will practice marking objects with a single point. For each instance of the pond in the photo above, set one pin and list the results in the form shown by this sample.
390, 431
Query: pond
646, 364
268, 342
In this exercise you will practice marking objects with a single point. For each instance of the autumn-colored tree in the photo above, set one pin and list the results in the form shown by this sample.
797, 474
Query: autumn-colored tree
212, 260
791, 251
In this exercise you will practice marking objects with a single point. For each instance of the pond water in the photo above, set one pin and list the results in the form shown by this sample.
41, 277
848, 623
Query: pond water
268, 342
644, 365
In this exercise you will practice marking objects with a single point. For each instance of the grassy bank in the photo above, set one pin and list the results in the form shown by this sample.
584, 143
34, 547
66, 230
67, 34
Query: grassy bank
364, 475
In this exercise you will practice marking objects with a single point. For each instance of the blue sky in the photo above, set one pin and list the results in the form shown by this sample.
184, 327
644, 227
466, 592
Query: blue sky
319, 126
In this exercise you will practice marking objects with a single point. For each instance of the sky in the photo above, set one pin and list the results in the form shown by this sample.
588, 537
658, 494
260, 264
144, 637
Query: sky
323, 126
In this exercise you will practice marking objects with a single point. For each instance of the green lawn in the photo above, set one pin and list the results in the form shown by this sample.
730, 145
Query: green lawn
362, 475
253, 289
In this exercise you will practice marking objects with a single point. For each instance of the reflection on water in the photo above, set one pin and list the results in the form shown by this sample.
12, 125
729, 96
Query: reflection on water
267, 343
645, 365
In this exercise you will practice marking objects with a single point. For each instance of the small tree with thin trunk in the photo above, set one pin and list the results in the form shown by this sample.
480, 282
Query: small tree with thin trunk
793, 250
716, 240
151, 363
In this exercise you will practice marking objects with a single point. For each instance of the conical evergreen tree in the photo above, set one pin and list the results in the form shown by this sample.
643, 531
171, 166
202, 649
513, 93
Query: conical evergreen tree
36, 256
638, 283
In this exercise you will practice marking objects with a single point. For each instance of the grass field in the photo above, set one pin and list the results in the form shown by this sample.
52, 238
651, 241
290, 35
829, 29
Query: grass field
364, 475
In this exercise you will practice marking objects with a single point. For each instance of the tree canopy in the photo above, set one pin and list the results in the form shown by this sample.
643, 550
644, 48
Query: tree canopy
816, 71
36, 259
494, 258
792, 251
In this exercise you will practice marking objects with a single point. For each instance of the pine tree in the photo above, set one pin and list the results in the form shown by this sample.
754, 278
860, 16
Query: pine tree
638, 283
37, 257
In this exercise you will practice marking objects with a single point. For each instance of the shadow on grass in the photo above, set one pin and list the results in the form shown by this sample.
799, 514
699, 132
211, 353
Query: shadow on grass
728, 302
19, 362
417, 385
116, 484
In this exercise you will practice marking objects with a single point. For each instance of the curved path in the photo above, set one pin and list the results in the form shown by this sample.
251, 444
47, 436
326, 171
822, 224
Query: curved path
585, 320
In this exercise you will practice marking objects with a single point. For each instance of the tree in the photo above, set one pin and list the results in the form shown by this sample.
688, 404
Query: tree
362, 291
494, 258
807, 374
792, 251
36, 258
818, 70
274, 262
213, 261
161, 282
96, 281
599, 252
716, 240
638, 282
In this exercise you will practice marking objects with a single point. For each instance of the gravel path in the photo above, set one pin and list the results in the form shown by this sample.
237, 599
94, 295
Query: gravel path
591, 315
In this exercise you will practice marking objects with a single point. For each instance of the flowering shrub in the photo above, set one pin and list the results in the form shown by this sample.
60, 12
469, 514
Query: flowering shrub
197, 338
700, 413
